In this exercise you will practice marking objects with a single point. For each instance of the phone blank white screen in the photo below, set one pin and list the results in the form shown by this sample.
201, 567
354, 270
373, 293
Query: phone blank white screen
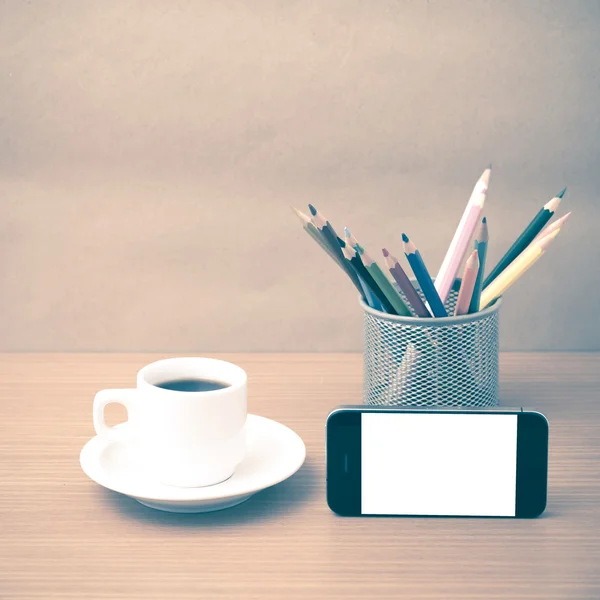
438, 464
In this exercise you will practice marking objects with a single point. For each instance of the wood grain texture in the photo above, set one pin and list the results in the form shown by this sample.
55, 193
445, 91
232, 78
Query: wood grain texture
63, 536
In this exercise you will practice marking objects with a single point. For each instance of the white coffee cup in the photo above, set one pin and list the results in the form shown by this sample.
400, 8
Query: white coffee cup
190, 439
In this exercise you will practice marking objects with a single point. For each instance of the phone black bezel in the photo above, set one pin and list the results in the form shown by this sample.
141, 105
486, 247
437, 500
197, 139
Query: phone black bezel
532, 465
343, 439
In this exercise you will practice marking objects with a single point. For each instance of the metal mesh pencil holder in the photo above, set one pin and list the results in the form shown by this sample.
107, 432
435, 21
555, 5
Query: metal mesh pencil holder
412, 361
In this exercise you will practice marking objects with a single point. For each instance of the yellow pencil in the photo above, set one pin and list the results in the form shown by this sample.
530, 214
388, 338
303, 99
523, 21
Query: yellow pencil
513, 272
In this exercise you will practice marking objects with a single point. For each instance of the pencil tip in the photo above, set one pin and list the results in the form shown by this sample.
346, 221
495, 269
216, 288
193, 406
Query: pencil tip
561, 193
385, 252
313, 210
560, 222
489, 166
304, 218
404, 237
347, 232
484, 220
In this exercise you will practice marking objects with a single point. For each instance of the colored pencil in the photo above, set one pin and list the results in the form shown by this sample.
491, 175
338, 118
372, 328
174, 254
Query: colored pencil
350, 239
371, 298
553, 226
354, 259
535, 226
462, 237
314, 233
331, 238
378, 275
481, 244
405, 285
317, 235
365, 292
516, 269
422, 274
467, 284
327, 230
384, 285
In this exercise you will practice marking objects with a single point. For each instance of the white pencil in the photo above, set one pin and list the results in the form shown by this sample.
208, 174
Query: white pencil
462, 237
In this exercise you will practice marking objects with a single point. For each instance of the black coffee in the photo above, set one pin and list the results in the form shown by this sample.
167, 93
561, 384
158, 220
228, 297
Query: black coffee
192, 385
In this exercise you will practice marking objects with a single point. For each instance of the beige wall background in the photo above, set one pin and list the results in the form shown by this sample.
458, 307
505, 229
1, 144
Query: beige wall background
149, 152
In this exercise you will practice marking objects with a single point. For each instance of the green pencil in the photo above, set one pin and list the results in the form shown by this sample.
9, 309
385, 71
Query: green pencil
354, 259
378, 275
481, 244
529, 233
384, 285
350, 239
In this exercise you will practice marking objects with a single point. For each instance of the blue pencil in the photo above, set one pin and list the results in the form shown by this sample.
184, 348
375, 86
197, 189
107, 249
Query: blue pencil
422, 274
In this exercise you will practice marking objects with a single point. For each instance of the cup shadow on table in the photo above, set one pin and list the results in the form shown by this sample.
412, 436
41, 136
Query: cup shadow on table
273, 503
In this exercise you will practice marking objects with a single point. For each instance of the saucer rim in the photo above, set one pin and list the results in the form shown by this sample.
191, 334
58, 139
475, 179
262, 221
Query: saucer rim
90, 464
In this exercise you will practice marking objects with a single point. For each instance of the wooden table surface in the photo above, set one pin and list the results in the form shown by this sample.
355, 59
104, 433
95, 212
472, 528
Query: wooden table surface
63, 536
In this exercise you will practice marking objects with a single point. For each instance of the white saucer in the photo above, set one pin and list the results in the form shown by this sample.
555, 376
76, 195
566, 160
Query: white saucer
274, 453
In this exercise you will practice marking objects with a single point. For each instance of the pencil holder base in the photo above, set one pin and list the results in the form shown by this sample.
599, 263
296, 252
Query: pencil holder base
451, 362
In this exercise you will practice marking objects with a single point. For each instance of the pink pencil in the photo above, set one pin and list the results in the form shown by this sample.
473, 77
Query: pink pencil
467, 285
552, 227
462, 237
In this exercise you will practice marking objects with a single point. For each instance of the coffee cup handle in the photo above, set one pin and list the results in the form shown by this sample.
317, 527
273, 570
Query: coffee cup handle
124, 397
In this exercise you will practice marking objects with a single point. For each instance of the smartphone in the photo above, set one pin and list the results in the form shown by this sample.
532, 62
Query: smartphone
437, 462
